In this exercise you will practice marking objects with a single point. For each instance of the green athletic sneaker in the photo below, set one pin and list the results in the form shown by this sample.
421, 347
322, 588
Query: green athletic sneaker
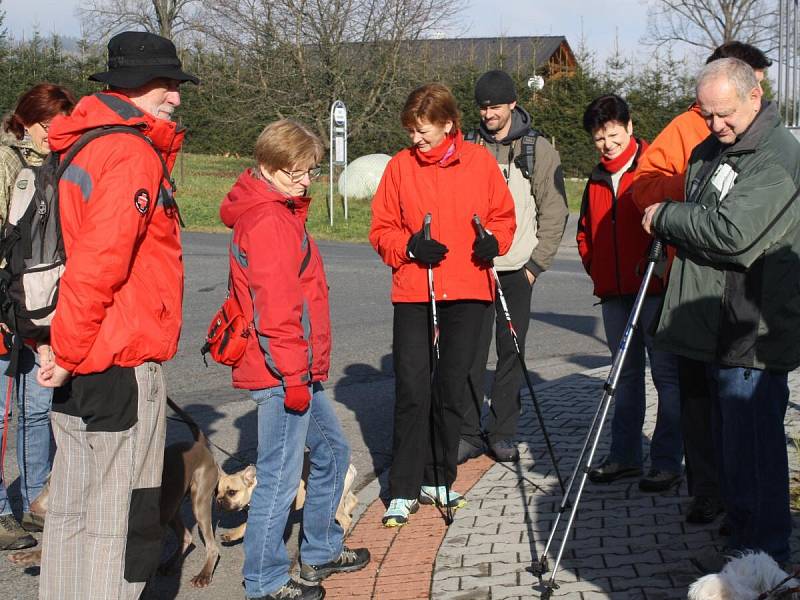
436, 495
398, 512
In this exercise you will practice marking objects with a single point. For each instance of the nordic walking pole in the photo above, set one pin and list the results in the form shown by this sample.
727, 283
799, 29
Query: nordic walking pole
609, 389
426, 232
481, 234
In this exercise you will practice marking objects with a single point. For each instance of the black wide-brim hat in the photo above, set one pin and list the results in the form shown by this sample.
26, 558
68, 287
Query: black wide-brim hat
137, 57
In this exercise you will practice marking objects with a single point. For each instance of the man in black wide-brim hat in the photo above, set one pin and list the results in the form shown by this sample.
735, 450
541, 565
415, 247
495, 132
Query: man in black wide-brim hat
118, 317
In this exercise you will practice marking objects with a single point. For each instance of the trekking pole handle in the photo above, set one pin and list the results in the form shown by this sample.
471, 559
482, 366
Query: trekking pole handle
656, 249
426, 226
476, 220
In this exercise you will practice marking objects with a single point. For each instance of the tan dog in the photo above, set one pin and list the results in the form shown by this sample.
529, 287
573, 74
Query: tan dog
234, 492
189, 468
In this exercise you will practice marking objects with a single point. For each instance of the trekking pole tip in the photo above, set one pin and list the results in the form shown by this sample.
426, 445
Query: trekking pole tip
540, 568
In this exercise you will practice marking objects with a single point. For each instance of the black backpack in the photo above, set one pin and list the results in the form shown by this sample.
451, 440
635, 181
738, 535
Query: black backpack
32, 256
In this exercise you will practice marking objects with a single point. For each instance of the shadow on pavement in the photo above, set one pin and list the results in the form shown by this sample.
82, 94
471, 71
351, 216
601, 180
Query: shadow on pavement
369, 393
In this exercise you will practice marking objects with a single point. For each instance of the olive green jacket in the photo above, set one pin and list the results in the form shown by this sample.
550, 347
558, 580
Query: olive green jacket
733, 297
11, 164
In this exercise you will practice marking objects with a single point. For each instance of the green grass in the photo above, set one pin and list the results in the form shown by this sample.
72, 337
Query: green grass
203, 181
574, 193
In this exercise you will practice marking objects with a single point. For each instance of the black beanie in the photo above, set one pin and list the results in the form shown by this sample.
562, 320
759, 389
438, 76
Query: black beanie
495, 87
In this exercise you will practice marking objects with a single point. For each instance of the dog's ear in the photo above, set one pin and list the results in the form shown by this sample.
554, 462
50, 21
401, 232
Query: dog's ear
220, 472
249, 475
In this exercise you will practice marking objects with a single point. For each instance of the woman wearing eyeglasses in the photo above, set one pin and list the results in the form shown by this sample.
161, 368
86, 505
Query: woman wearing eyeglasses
278, 277
23, 143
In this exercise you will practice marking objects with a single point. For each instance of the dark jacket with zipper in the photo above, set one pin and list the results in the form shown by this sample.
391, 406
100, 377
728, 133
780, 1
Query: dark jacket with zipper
734, 291
611, 241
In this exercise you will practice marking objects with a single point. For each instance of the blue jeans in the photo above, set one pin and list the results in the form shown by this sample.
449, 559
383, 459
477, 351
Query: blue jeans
748, 409
282, 438
666, 447
33, 429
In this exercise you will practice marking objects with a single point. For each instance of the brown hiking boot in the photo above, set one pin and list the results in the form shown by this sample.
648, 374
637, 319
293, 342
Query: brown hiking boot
32, 522
12, 536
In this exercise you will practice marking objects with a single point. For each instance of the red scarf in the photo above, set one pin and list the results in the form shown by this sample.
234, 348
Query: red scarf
612, 165
441, 154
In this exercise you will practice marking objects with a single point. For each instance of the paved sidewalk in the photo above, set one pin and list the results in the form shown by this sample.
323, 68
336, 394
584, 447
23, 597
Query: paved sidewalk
626, 544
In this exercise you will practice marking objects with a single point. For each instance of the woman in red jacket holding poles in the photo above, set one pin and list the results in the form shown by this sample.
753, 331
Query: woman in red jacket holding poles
450, 180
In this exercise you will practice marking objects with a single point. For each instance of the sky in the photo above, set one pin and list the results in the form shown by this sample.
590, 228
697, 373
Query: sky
597, 21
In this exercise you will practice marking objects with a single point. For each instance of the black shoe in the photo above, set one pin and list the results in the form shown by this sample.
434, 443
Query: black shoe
610, 471
703, 509
659, 481
712, 560
467, 451
724, 528
293, 590
504, 451
348, 561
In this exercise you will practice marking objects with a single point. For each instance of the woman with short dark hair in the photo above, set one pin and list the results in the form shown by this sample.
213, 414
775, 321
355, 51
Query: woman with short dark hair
277, 275
452, 181
613, 247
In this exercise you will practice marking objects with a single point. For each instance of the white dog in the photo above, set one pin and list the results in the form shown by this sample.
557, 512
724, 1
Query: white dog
746, 577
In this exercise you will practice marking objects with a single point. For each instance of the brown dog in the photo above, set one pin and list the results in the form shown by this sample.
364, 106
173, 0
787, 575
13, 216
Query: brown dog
189, 468
234, 492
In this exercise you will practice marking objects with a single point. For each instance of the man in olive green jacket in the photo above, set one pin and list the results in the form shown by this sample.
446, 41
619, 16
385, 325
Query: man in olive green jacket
733, 300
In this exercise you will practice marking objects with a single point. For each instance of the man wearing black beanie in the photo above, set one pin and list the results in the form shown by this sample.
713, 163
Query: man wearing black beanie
532, 170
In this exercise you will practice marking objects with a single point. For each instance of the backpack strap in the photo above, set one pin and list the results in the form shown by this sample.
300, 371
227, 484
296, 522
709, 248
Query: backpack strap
97, 132
21, 155
473, 136
526, 160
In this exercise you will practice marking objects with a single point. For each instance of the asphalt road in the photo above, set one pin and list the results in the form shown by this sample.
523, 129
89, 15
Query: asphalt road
565, 336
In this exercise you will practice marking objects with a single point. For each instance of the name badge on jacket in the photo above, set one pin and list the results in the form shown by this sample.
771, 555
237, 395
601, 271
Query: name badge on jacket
723, 180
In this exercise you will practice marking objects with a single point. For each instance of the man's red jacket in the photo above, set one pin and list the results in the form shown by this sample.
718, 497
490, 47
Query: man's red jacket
120, 298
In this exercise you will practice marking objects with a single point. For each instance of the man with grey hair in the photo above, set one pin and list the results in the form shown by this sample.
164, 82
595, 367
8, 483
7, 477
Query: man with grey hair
732, 301
118, 318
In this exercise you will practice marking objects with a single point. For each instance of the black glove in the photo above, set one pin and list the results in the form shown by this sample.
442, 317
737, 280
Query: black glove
429, 252
486, 248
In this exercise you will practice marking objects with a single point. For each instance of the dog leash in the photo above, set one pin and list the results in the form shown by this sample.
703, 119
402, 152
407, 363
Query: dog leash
225, 452
779, 589
9, 385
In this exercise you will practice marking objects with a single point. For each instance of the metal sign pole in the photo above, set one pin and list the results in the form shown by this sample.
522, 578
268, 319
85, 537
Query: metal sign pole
338, 153
330, 168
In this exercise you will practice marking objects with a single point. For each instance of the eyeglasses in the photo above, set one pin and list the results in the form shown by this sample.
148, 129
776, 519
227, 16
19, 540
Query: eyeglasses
297, 176
44, 125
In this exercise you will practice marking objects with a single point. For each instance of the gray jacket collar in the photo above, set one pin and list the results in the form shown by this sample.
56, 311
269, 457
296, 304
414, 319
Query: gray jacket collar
765, 121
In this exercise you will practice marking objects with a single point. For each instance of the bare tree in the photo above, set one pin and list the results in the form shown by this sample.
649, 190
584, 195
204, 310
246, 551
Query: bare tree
708, 23
168, 18
300, 55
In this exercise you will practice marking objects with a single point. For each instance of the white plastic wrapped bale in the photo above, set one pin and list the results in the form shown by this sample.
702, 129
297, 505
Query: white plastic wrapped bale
363, 175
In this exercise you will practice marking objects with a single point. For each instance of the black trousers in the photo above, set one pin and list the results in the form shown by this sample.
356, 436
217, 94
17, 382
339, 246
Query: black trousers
425, 446
699, 451
505, 407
